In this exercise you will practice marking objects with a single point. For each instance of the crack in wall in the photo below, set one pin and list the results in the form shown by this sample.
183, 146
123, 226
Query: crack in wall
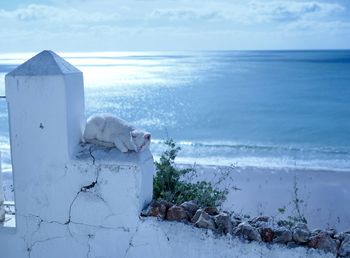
131, 244
41, 221
92, 156
85, 188
34, 243
90, 236
31, 244
34, 233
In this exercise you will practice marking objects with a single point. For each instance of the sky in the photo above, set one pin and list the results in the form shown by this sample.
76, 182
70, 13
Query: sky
155, 25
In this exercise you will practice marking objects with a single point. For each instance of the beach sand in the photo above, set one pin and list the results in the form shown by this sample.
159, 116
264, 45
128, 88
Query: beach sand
324, 195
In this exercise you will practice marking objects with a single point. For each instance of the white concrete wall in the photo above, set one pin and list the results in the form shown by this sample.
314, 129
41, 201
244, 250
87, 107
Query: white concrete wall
83, 204
103, 221
158, 239
2, 210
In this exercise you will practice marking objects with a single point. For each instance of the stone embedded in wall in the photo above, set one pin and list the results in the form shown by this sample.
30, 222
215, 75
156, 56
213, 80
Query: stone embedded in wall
190, 207
301, 233
176, 213
324, 241
212, 211
259, 219
223, 223
247, 231
344, 249
205, 221
282, 235
196, 216
157, 209
267, 234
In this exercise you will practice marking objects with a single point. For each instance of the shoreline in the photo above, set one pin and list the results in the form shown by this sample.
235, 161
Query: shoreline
263, 163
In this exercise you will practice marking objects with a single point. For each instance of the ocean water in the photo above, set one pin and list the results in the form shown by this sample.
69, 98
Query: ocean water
253, 108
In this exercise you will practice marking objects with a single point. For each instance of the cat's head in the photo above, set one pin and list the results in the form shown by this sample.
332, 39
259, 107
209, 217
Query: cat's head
140, 139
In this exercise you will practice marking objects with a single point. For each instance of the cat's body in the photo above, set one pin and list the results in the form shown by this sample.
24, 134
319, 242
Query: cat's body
109, 131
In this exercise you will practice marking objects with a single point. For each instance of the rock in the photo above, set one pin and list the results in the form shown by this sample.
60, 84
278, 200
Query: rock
176, 213
302, 226
331, 232
223, 223
282, 235
156, 209
212, 211
323, 242
247, 231
344, 249
262, 224
260, 219
205, 221
236, 219
340, 236
301, 233
316, 232
235, 222
190, 207
196, 216
267, 234
301, 236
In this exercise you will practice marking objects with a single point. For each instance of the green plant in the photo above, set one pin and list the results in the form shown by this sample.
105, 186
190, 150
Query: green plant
282, 210
298, 216
168, 183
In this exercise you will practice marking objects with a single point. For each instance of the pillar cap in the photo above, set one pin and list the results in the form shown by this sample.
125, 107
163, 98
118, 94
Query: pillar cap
46, 62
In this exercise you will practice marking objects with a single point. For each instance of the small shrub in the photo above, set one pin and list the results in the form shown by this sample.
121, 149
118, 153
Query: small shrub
298, 216
168, 183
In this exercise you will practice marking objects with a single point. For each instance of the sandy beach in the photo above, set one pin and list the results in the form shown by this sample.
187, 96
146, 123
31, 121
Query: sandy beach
324, 195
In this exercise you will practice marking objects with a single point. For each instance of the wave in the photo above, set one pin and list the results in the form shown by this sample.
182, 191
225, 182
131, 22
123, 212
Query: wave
240, 146
227, 153
259, 155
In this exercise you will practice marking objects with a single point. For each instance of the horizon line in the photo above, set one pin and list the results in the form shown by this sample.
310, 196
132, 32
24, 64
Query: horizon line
208, 50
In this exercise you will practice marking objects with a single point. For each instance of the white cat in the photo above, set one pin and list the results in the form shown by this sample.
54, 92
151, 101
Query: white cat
109, 131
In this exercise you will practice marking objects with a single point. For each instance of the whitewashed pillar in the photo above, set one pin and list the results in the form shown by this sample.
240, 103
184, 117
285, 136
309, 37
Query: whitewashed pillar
71, 200
45, 98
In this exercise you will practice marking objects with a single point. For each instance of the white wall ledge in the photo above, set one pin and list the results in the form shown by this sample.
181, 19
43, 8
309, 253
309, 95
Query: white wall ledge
99, 154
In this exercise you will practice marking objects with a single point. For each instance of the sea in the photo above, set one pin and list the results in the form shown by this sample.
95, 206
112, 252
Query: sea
278, 109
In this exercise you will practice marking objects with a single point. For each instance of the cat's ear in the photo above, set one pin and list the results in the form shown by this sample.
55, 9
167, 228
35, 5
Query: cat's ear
147, 136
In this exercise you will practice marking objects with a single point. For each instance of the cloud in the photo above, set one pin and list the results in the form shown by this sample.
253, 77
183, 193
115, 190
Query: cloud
286, 11
317, 26
182, 24
34, 12
254, 12
186, 14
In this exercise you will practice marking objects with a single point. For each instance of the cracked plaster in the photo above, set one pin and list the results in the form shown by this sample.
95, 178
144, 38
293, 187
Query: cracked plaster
94, 214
